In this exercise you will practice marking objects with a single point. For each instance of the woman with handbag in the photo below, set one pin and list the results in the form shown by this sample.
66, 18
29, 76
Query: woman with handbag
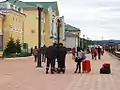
79, 59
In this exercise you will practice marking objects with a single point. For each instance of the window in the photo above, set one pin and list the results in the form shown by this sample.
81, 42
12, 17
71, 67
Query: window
19, 9
15, 7
37, 18
32, 31
11, 6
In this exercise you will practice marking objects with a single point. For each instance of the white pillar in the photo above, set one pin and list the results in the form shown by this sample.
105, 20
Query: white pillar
54, 28
50, 18
63, 28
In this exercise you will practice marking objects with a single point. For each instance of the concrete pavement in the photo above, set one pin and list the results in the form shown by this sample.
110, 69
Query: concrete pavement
21, 74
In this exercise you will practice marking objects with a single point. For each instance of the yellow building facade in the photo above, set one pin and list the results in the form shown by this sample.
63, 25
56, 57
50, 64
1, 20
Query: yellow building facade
25, 25
1, 30
48, 23
12, 23
31, 28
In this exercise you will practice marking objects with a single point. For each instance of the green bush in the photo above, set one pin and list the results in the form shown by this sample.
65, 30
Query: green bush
18, 46
18, 55
12, 47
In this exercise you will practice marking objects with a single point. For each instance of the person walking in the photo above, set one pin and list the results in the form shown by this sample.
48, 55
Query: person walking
43, 50
102, 51
35, 53
73, 53
80, 58
92, 53
99, 52
62, 51
31, 51
95, 53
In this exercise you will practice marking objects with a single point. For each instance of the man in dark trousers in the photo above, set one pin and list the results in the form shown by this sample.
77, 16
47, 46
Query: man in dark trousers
62, 51
43, 50
99, 52
51, 56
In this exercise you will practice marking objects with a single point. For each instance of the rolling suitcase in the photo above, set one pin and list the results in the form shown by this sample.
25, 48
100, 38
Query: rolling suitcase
86, 66
105, 69
106, 65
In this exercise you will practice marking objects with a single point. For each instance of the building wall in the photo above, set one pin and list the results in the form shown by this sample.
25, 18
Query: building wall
75, 32
0, 25
62, 31
48, 40
12, 26
43, 29
31, 24
70, 42
1, 35
31, 28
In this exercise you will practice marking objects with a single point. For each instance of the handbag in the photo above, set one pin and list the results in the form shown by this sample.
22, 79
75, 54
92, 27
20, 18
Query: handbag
76, 59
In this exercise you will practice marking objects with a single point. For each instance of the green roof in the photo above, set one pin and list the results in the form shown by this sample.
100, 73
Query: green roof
71, 28
45, 5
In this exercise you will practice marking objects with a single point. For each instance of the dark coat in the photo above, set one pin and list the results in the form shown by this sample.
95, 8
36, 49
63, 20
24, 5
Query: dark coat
51, 52
43, 50
62, 51
99, 50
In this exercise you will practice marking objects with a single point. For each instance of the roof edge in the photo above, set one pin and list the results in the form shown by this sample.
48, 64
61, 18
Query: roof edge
16, 11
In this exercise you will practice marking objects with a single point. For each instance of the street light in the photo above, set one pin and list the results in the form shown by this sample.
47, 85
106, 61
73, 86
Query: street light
83, 41
58, 31
39, 36
78, 43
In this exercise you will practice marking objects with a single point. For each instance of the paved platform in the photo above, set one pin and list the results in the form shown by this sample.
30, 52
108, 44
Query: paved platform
21, 74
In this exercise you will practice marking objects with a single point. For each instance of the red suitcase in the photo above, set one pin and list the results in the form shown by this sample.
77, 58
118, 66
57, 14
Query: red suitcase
86, 66
106, 65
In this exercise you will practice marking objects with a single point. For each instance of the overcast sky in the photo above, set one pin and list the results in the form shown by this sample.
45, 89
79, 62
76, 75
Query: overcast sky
98, 19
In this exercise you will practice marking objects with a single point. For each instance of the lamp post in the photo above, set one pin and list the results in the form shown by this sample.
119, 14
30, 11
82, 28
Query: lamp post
78, 40
78, 43
58, 30
83, 42
39, 36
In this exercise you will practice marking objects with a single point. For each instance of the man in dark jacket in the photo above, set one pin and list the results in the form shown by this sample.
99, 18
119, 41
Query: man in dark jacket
62, 51
51, 54
43, 51
99, 52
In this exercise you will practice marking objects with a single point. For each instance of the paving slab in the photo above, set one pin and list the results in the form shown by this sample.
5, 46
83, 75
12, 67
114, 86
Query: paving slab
22, 74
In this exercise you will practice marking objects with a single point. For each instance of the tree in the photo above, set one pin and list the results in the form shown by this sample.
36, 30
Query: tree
11, 47
18, 46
